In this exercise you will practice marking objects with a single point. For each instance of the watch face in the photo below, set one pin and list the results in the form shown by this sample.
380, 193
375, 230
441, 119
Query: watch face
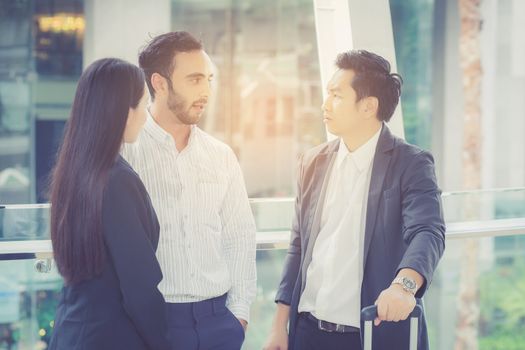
410, 284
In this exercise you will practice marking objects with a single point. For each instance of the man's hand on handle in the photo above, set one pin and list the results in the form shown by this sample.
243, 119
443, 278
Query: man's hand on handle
395, 304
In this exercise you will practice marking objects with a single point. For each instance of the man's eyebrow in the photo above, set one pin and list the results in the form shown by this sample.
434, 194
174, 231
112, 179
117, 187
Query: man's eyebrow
197, 75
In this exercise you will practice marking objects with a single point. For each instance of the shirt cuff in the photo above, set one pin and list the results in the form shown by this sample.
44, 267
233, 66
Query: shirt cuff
240, 310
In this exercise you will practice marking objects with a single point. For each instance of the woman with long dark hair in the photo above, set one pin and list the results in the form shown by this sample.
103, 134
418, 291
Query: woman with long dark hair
103, 227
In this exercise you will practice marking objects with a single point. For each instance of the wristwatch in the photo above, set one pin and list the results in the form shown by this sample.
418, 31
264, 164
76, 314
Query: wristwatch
408, 284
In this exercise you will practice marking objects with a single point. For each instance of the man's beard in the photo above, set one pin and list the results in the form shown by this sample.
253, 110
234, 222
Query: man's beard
178, 105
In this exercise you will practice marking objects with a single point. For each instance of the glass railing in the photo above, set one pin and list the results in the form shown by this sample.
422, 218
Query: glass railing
273, 215
499, 294
24, 222
27, 304
494, 231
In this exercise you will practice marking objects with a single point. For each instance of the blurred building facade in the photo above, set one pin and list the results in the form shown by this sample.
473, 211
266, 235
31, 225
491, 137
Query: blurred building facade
268, 89
267, 102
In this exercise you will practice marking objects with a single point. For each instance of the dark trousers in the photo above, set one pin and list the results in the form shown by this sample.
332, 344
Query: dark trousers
309, 337
204, 325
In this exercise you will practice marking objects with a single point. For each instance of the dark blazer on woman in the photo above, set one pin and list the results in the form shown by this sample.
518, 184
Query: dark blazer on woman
121, 308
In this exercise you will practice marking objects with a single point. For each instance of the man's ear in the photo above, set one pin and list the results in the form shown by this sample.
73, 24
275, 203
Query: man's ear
159, 83
370, 106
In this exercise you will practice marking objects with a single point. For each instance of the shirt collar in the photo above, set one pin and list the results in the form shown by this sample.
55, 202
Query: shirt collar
161, 135
362, 157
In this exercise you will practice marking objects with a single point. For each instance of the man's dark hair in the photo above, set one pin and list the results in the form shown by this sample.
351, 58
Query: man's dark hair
157, 56
373, 79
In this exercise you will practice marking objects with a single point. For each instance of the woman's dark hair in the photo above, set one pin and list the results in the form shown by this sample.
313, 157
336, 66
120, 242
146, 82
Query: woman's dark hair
157, 56
373, 78
92, 140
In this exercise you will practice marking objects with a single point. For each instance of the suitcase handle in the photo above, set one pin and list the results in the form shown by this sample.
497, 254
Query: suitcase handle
369, 313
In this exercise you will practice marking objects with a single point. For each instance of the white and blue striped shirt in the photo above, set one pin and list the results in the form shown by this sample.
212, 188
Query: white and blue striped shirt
207, 232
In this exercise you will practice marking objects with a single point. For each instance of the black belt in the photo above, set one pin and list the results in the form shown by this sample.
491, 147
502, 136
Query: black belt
329, 326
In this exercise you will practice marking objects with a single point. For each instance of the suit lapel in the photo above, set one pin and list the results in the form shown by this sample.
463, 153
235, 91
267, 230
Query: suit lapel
380, 167
320, 178
321, 173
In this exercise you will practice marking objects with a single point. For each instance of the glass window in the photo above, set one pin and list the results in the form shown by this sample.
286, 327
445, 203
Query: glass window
15, 69
428, 36
40, 62
268, 92
59, 28
412, 22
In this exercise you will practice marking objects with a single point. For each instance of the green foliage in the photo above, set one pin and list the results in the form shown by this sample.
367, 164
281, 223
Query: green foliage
47, 302
503, 340
502, 318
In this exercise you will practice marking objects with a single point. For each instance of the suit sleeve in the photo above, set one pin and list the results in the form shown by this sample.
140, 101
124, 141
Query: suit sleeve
292, 261
125, 224
422, 215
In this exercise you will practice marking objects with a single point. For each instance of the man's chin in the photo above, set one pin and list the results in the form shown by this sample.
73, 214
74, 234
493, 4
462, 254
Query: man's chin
333, 131
192, 120
196, 118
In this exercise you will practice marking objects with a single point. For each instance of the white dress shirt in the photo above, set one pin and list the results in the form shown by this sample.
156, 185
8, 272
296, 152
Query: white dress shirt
333, 279
207, 232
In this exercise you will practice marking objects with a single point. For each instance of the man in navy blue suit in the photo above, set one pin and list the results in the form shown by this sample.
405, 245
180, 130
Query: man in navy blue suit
368, 224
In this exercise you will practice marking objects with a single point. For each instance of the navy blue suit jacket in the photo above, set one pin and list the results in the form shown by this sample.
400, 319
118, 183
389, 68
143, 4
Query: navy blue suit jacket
122, 308
404, 228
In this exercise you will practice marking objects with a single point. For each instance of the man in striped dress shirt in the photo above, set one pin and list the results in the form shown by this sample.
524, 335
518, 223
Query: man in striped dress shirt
207, 237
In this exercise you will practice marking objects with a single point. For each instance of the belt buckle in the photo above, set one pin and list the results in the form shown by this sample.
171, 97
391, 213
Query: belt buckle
322, 328
339, 328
